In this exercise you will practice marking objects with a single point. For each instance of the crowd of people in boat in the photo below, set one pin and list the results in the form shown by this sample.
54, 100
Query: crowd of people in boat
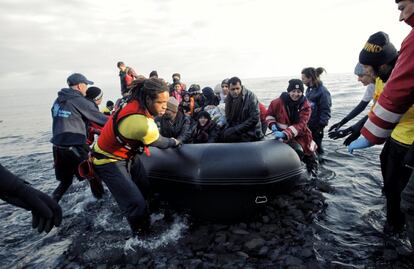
101, 146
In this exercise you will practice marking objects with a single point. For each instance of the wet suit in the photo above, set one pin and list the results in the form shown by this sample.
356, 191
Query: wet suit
45, 211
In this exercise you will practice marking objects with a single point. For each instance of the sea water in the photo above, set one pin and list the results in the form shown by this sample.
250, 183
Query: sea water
348, 233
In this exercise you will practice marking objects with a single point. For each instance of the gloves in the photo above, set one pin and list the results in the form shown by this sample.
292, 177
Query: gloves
274, 128
335, 134
360, 143
279, 135
46, 213
336, 126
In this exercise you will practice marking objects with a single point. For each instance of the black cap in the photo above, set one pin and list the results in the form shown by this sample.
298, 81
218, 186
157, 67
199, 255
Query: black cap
295, 84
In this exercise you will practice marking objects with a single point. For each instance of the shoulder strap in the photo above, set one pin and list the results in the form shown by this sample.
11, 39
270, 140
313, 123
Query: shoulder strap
120, 138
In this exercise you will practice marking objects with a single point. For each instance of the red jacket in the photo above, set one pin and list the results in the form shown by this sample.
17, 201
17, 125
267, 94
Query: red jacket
277, 114
107, 140
397, 97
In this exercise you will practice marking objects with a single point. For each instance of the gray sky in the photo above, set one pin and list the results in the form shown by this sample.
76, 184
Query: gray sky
43, 41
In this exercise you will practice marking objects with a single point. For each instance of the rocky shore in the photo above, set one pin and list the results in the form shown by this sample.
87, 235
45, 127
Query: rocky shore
282, 235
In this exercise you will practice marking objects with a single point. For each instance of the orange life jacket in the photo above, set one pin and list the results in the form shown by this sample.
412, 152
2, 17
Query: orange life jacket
113, 142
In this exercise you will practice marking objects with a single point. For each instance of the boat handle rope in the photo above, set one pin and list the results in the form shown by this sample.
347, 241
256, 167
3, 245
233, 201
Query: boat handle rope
261, 199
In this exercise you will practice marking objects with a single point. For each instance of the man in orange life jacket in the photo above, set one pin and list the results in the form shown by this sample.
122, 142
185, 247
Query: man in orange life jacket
129, 131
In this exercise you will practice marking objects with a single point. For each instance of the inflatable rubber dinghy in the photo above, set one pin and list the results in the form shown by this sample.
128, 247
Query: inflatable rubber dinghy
223, 181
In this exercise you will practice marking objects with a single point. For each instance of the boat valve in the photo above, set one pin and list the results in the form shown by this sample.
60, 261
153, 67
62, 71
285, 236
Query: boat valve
261, 199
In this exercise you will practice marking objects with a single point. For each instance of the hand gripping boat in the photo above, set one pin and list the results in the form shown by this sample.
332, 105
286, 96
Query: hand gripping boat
223, 181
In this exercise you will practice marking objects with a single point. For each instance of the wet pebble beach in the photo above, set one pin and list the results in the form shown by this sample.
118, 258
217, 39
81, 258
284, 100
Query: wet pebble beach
282, 234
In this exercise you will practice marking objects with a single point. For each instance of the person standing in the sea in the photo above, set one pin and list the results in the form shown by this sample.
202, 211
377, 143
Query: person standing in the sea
128, 133
320, 100
367, 78
392, 122
378, 56
70, 113
287, 117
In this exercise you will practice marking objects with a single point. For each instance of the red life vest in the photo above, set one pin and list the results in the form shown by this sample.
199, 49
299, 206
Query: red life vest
112, 142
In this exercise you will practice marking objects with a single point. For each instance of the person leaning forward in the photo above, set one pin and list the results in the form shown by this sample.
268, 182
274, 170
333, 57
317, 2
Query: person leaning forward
70, 113
129, 131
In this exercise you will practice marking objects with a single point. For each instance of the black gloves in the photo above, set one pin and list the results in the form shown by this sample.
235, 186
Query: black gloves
354, 132
337, 125
339, 133
45, 211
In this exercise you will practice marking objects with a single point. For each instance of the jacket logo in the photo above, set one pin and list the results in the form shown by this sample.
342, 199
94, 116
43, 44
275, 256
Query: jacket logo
58, 112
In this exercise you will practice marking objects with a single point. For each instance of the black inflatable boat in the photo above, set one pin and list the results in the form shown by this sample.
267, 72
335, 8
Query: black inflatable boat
223, 181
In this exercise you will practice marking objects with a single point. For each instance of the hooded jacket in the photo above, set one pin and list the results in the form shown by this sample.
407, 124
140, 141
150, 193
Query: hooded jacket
396, 100
70, 113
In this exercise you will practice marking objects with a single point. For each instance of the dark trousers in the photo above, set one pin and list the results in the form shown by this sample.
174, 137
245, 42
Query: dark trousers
66, 162
130, 192
395, 176
317, 136
407, 207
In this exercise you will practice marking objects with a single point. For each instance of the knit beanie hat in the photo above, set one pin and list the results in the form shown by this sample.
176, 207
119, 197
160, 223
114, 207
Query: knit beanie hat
378, 50
295, 84
359, 70
172, 104
94, 93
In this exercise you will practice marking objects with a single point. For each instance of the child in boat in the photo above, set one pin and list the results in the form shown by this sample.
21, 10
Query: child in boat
206, 130
287, 117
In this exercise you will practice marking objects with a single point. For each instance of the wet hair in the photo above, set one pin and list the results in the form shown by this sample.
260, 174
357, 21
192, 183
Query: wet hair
118, 64
314, 74
151, 88
234, 81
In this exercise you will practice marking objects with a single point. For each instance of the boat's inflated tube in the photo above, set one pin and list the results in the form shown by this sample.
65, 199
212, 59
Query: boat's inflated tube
223, 181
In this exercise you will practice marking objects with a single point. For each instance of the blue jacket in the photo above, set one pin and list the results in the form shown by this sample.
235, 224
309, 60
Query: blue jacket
71, 112
320, 100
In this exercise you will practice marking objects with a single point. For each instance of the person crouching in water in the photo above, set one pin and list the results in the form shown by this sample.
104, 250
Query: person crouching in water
287, 117
129, 131
206, 130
